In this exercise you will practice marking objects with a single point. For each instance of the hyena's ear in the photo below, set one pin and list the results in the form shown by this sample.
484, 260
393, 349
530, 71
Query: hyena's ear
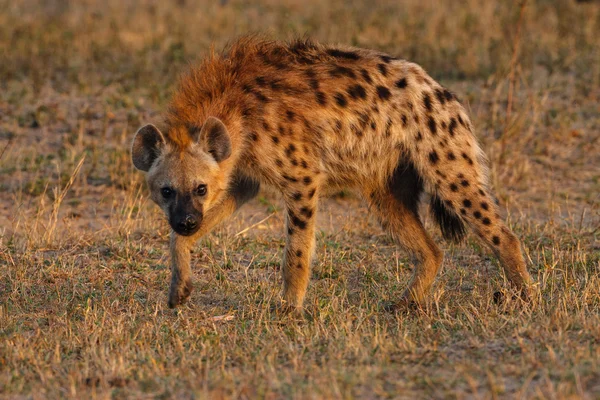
214, 139
146, 147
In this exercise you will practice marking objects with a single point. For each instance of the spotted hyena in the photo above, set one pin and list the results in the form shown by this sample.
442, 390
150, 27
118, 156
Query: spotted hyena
306, 118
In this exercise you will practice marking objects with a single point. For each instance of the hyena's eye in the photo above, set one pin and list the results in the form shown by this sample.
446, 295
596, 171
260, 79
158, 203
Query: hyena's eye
200, 190
166, 192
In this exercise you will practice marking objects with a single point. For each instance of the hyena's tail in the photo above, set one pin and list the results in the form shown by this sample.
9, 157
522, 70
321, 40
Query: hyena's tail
452, 226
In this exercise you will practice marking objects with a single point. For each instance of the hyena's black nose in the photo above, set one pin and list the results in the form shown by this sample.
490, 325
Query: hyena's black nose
189, 223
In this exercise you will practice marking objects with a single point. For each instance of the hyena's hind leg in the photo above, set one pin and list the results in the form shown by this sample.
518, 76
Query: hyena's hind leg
396, 207
482, 214
461, 185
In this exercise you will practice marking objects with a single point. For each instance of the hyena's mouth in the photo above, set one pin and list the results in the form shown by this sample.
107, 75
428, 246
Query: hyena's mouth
186, 226
185, 232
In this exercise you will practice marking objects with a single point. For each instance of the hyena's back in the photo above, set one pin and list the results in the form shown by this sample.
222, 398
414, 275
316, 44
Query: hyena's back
304, 117
355, 112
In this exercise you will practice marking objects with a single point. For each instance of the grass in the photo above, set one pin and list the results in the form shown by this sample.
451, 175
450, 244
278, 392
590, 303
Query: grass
83, 253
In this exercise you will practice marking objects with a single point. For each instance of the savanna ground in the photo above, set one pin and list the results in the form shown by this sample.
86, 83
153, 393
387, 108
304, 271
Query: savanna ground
83, 253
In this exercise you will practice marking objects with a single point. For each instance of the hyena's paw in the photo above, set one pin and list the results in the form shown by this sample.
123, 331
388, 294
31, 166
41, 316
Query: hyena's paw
525, 295
404, 304
179, 293
287, 311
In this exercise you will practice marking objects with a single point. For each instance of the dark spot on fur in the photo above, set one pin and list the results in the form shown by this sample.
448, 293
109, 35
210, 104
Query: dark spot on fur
340, 99
373, 125
357, 92
275, 139
290, 150
477, 214
404, 120
260, 81
419, 136
321, 99
496, 240
464, 182
289, 178
261, 97
298, 253
383, 92
440, 96
307, 180
349, 55
364, 120
339, 71
311, 193
356, 130
486, 221
427, 102
433, 157
484, 205
297, 196
366, 75
297, 221
466, 157
388, 128
253, 136
432, 125
448, 95
338, 126
481, 192
451, 156
279, 163
382, 68
467, 203
307, 212
452, 126
401, 83
463, 211
386, 59
454, 187
290, 115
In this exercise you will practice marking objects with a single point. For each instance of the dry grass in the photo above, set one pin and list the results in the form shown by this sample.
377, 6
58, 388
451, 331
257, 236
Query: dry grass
83, 255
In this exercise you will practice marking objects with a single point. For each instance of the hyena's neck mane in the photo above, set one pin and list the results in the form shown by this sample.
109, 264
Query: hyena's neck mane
220, 85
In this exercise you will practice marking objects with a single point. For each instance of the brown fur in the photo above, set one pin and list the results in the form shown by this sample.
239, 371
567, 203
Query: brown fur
307, 118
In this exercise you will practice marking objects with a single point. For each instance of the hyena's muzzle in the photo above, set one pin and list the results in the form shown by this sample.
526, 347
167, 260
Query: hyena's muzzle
184, 218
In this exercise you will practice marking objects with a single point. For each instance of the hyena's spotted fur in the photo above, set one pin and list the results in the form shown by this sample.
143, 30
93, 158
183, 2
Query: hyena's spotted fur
306, 118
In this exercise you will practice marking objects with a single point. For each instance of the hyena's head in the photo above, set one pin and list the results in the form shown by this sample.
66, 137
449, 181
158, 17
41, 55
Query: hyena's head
185, 180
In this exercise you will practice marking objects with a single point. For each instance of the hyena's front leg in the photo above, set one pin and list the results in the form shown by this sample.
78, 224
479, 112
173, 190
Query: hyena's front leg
241, 190
300, 243
181, 274
181, 247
